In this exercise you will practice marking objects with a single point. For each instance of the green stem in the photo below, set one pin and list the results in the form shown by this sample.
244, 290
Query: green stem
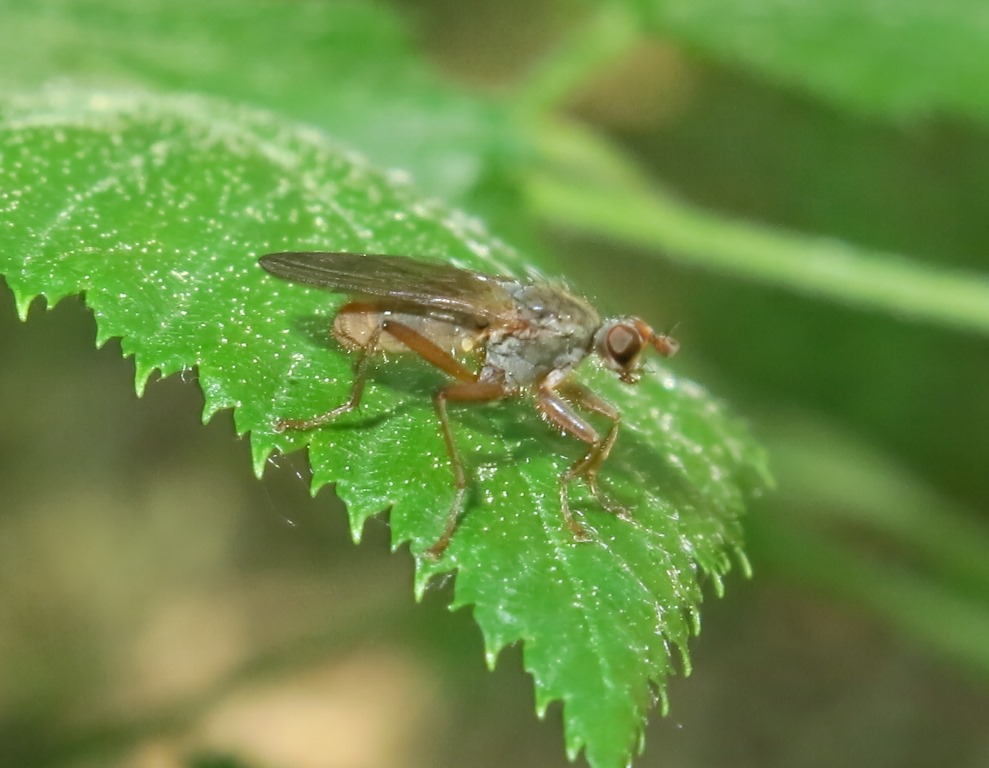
589, 187
600, 39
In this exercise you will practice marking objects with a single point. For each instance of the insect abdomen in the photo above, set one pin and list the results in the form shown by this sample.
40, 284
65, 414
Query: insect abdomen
354, 324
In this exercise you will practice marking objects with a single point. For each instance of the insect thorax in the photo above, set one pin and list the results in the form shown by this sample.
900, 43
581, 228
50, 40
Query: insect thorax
553, 330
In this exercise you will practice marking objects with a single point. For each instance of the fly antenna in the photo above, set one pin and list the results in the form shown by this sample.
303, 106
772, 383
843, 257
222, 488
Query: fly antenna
664, 343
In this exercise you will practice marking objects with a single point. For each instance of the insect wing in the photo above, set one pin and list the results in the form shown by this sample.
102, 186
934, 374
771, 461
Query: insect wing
406, 282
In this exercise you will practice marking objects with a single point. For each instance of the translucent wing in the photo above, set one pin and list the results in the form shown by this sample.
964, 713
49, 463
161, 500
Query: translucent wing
401, 281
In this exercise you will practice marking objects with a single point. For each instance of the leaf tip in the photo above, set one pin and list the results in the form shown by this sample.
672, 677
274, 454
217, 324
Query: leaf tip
685, 664
421, 582
664, 703
574, 746
210, 408
356, 525
142, 373
718, 582
491, 658
694, 617
743, 562
102, 336
260, 455
543, 699
23, 303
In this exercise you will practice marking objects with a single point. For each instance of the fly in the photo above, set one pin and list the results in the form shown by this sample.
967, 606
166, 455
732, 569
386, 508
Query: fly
529, 336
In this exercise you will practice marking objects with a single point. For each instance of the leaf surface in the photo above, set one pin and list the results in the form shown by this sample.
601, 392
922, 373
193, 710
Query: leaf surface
156, 209
345, 66
903, 59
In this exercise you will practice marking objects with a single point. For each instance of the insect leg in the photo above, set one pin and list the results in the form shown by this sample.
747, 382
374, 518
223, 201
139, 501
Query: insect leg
361, 371
583, 397
412, 339
468, 392
561, 413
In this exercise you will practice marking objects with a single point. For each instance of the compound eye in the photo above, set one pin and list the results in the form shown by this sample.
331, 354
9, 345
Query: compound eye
624, 344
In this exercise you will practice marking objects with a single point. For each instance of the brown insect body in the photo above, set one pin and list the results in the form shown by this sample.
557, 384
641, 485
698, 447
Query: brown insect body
550, 331
357, 321
530, 336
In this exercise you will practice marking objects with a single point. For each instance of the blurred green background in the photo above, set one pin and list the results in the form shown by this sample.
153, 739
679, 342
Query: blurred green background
159, 606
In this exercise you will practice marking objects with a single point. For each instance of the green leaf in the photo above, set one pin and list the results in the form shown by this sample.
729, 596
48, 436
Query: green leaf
156, 208
345, 66
901, 59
